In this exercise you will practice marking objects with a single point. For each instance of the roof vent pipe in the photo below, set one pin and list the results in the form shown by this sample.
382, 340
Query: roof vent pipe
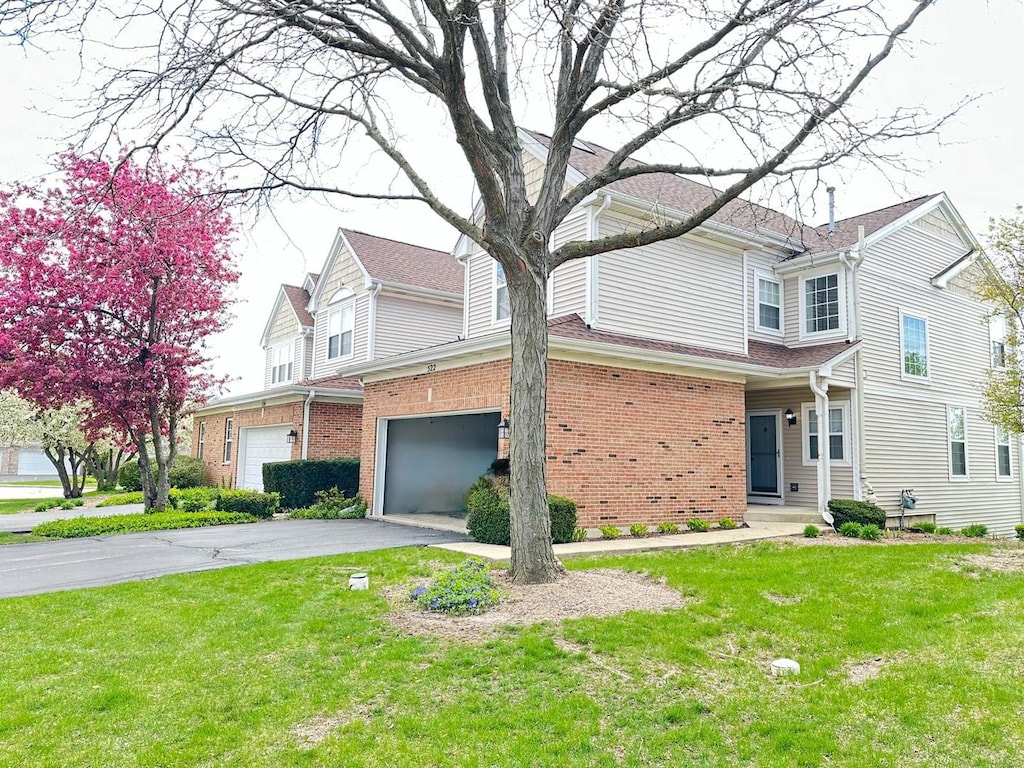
831, 210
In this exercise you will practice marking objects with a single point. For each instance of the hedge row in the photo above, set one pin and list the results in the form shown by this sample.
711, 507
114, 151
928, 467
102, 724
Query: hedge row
298, 481
261, 505
487, 513
185, 472
161, 521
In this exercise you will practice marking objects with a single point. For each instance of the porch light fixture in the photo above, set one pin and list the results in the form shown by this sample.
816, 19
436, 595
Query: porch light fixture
293, 436
790, 417
503, 429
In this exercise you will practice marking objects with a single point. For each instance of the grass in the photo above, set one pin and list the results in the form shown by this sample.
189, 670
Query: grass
41, 484
14, 506
19, 538
280, 665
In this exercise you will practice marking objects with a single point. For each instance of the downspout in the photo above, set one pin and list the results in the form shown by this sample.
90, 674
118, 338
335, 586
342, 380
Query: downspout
371, 341
593, 264
305, 423
821, 412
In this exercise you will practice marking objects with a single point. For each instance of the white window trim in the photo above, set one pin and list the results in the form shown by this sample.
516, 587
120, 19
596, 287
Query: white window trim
229, 439
904, 376
835, 333
805, 435
337, 310
1009, 446
781, 330
495, 320
949, 448
201, 439
996, 335
289, 363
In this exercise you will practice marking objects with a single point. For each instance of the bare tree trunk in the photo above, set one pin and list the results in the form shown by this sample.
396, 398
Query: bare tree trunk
162, 458
533, 561
105, 467
56, 457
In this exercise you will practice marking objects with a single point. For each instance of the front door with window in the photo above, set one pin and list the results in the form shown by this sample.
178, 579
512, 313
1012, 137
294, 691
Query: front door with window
764, 461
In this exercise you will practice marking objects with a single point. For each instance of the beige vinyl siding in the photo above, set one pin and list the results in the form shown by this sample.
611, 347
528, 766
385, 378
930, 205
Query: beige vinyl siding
360, 337
936, 223
569, 281
793, 468
661, 291
534, 173
306, 360
762, 264
480, 310
905, 421
792, 288
344, 271
404, 324
283, 327
965, 284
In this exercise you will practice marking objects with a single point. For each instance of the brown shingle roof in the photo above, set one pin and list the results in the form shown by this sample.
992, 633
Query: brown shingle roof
391, 261
332, 382
760, 353
299, 299
846, 229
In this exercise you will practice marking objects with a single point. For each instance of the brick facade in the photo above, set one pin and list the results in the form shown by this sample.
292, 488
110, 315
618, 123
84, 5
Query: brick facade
8, 461
629, 446
334, 432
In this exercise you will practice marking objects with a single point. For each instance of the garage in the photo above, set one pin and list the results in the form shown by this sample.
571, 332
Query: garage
259, 446
33, 462
430, 463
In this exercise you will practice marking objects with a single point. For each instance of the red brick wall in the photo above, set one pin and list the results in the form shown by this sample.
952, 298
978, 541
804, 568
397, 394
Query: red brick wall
334, 432
8, 461
629, 446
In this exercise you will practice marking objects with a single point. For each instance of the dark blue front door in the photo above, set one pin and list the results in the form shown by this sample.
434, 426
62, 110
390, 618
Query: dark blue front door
764, 454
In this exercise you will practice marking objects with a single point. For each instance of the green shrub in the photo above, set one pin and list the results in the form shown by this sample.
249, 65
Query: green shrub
203, 499
1019, 528
638, 530
944, 531
812, 531
129, 477
331, 505
926, 527
727, 524
160, 521
610, 532
579, 534
698, 525
487, 513
466, 588
848, 510
667, 527
46, 504
870, 532
187, 472
851, 529
975, 531
298, 481
67, 504
135, 497
261, 505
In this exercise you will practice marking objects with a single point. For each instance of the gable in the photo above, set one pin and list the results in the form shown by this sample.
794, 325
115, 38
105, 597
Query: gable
965, 282
342, 270
282, 324
937, 223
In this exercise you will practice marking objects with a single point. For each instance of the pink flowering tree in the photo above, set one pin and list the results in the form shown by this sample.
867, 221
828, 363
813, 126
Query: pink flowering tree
111, 282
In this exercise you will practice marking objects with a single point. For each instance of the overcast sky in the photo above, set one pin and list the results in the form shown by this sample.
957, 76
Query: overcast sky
960, 49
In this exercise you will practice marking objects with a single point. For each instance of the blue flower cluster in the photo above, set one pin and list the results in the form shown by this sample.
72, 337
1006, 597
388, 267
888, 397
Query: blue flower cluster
466, 588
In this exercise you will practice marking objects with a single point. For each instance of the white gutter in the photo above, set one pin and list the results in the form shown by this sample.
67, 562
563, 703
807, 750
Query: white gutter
594, 264
305, 423
416, 290
371, 330
861, 486
821, 412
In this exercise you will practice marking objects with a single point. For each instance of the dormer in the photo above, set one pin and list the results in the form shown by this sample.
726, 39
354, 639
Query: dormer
288, 337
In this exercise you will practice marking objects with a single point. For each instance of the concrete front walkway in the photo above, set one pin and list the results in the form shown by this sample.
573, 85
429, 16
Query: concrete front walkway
757, 531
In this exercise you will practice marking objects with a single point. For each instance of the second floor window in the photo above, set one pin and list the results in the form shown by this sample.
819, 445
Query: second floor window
201, 440
229, 428
502, 308
998, 354
281, 364
769, 305
957, 427
821, 304
339, 332
914, 346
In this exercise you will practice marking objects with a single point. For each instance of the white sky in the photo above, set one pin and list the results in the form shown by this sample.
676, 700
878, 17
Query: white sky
960, 49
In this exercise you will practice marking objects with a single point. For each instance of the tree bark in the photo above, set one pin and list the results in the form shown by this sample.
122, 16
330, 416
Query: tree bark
533, 561
62, 470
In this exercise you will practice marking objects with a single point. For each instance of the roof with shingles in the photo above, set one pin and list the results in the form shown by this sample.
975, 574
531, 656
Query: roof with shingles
299, 299
392, 261
846, 229
332, 382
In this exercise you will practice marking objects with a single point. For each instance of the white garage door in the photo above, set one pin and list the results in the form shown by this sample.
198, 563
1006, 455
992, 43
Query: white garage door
32, 462
261, 445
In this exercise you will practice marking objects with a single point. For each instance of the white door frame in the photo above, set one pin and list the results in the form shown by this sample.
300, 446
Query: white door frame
241, 441
381, 454
764, 498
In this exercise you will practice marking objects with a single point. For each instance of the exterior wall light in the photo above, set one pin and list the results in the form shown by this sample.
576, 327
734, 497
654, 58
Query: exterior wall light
503, 429
293, 436
790, 417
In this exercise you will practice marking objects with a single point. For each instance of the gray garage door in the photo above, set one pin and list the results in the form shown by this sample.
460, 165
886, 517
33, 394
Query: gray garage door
431, 462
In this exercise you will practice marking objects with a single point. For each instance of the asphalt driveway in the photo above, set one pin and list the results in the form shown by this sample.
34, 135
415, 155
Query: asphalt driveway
27, 569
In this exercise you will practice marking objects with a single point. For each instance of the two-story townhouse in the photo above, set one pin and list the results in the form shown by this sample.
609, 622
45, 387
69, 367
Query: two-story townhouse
686, 378
373, 298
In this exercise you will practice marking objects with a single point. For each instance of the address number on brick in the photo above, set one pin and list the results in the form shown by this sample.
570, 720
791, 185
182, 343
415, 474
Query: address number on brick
432, 367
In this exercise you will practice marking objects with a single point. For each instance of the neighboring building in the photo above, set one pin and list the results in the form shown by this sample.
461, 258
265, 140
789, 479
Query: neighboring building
374, 297
25, 462
686, 378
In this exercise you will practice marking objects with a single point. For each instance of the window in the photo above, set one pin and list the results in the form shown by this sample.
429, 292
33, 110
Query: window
838, 444
997, 336
821, 304
914, 345
769, 305
502, 309
339, 332
1003, 469
281, 364
998, 354
201, 440
957, 427
229, 425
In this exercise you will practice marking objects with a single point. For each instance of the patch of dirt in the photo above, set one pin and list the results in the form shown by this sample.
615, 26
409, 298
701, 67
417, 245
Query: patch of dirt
577, 594
311, 732
1004, 560
829, 538
870, 669
771, 597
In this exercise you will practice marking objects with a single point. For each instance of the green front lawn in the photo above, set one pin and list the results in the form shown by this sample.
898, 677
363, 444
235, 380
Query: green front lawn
911, 656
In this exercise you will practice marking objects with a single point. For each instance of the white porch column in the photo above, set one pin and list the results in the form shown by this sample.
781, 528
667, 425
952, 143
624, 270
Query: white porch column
820, 389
